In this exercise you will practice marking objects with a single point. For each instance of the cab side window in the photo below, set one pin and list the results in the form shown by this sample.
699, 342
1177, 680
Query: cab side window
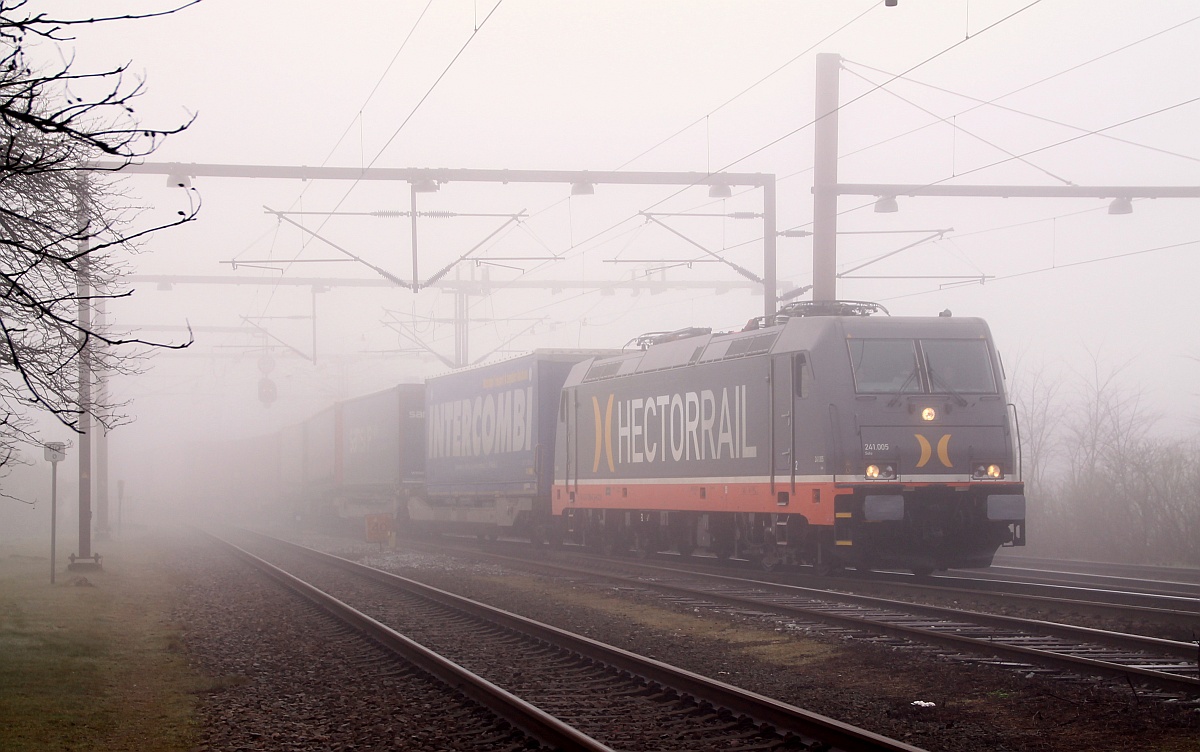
802, 374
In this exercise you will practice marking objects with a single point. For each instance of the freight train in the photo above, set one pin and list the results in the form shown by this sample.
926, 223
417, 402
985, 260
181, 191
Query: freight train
827, 436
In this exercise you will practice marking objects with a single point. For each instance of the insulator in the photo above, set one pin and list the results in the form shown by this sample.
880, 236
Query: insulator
437, 214
390, 213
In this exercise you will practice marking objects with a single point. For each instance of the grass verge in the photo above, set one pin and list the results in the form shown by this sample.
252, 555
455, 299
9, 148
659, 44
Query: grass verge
93, 661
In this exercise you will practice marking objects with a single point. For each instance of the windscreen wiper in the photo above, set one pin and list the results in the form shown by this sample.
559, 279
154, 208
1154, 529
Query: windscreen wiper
939, 381
900, 392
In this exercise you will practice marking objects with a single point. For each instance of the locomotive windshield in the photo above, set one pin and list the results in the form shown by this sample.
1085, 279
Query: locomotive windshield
885, 365
927, 366
958, 365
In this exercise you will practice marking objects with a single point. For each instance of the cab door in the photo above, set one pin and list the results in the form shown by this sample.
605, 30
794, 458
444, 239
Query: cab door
783, 444
566, 443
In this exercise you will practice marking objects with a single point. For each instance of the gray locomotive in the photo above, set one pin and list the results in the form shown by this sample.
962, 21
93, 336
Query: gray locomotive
832, 437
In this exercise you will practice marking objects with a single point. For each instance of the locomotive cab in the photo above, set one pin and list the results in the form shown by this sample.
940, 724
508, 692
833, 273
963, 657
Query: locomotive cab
930, 461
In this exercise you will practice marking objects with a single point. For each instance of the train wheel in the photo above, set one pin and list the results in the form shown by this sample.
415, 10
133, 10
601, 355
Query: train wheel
593, 532
645, 542
683, 533
723, 547
769, 561
615, 543
770, 558
826, 564
724, 536
826, 569
866, 564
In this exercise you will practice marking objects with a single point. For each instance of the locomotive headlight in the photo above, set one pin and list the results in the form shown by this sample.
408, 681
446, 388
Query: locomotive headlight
880, 472
992, 471
928, 414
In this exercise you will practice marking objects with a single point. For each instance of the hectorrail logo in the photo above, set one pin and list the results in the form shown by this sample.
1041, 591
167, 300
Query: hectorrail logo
943, 450
607, 434
708, 424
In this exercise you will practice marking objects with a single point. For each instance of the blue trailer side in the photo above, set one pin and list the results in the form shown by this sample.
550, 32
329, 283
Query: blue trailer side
489, 444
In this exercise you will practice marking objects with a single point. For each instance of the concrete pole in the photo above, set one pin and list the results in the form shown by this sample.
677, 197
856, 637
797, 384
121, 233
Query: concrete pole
412, 203
83, 292
103, 531
53, 515
314, 324
770, 243
461, 323
825, 177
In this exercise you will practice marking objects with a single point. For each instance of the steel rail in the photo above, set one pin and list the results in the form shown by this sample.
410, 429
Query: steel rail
1160, 679
1178, 649
1092, 581
1116, 601
1071, 592
534, 722
761, 709
1077, 566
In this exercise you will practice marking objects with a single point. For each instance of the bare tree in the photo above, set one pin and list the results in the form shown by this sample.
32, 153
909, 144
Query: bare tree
63, 225
1102, 483
1035, 393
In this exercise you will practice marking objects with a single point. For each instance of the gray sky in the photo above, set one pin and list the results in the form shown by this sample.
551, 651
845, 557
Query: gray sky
681, 86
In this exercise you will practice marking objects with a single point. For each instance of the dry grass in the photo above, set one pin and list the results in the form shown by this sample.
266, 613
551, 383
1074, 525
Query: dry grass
752, 640
92, 666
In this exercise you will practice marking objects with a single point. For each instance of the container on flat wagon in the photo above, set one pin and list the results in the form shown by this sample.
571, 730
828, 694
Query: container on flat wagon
382, 446
322, 468
489, 443
291, 468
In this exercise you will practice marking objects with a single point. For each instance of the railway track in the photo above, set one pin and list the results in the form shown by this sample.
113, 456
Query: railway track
1169, 667
1174, 610
606, 697
1155, 595
1155, 584
1172, 616
1167, 615
260, 647
1163, 595
1105, 592
1141, 572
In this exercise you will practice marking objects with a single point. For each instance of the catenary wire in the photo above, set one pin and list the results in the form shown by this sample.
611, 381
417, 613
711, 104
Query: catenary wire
950, 121
751, 87
810, 123
1030, 272
354, 184
300, 197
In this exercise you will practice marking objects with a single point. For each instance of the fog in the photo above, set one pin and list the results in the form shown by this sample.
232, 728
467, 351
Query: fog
1087, 92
